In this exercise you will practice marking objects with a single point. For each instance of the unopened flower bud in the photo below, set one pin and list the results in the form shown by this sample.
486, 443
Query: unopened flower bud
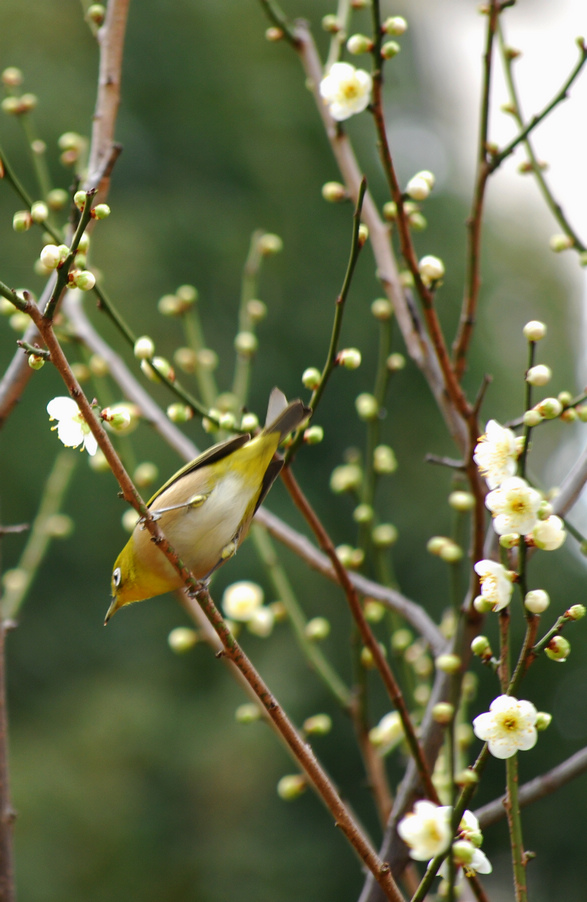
466, 777
317, 629
461, 501
145, 474
374, 611
558, 649
182, 639
179, 413
534, 330
12, 77
245, 343
539, 375
350, 358
359, 43
395, 362
129, 519
481, 647
249, 712
395, 25
256, 310
532, 418
448, 663
560, 243
367, 407
351, 558
363, 234
80, 199
249, 422
163, 369
334, 192
318, 725
550, 408
311, 378
367, 657
576, 612
52, 256
274, 34
39, 211
118, 418
313, 435
390, 49
101, 211
270, 244
431, 270
144, 347
435, 544
57, 199
401, 639
345, 478
384, 460
382, 309
543, 721
451, 553
36, 362
96, 13
536, 601
291, 787
331, 24
384, 535
84, 279
22, 221
443, 713
390, 211
186, 359
363, 513
418, 188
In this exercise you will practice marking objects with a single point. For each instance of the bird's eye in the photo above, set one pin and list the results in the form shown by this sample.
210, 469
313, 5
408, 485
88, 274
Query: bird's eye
116, 577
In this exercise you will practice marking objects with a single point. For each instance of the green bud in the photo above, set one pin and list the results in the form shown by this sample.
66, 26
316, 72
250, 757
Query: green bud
481, 647
461, 501
382, 309
443, 713
384, 460
576, 612
311, 378
359, 43
144, 347
390, 49
39, 211
395, 362
451, 553
35, 362
363, 513
145, 474
395, 25
346, 478
270, 244
57, 199
185, 359
448, 663
317, 629
256, 310
84, 279
350, 358
334, 192
558, 649
182, 639
532, 418
384, 535
560, 243
249, 712
367, 406
163, 367
390, 211
401, 639
22, 221
245, 344
313, 435
80, 199
534, 330
291, 787
550, 408
101, 211
179, 413
317, 725
543, 721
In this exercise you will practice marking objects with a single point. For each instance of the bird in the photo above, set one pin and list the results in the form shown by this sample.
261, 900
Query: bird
205, 509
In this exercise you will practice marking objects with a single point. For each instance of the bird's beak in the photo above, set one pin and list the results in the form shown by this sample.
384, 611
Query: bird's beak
114, 606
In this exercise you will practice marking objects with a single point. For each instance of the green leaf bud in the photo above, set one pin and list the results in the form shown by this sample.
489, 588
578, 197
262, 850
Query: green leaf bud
163, 367
384, 460
349, 557
543, 721
363, 234
250, 422
481, 647
36, 362
39, 211
576, 612
249, 712
331, 24
451, 553
532, 418
80, 199
390, 211
550, 408
435, 544
346, 478
363, 513
374, 610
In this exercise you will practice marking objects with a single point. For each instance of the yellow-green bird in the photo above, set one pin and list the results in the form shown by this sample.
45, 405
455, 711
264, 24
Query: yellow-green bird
205, 509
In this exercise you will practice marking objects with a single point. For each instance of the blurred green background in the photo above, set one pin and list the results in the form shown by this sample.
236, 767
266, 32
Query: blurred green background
129, 774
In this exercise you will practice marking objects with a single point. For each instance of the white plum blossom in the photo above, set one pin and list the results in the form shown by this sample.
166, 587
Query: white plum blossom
496, 584
345, 90
496, 454
426, 830
508, 726
242, 600
549, 534
71, 427
514, 506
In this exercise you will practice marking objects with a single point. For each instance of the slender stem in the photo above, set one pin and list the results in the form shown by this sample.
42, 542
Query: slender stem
39, 538
365, 632
512, 808
475, 221
330, 362
314, 655
7, 814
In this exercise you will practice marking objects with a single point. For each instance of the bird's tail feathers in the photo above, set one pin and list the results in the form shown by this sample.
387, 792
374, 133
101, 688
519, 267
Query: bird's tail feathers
283, 417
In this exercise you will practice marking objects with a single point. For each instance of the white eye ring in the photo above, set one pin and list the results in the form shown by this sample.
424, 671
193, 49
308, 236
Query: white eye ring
116, 577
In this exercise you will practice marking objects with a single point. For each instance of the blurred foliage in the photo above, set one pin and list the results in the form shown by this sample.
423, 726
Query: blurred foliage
130, 776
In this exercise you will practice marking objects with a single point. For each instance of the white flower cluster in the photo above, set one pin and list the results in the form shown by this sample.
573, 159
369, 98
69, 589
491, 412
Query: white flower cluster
427, 832
515, 506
